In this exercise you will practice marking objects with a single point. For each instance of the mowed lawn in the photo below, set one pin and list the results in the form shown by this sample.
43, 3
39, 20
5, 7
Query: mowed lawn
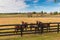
18, 20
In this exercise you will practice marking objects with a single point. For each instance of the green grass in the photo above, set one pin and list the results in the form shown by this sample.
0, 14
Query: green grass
46, 36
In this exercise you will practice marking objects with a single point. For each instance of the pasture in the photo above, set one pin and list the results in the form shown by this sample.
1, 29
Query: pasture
46, 36
18, 20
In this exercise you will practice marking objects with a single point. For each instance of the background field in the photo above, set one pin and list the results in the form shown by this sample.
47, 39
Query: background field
18, 20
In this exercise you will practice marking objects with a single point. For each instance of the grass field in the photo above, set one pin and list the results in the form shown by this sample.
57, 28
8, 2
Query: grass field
46, 36
18, 20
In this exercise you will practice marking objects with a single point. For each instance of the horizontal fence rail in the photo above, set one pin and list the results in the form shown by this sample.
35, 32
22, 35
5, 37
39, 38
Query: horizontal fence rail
28, 30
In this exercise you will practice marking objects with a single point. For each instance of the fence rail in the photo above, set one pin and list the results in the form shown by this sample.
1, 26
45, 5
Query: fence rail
49, 28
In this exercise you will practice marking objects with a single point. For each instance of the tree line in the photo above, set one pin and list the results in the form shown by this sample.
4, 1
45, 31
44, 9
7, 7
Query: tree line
42, 12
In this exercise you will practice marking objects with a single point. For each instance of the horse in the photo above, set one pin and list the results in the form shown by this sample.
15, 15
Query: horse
46, 26
42, 26
17, 28
21, 27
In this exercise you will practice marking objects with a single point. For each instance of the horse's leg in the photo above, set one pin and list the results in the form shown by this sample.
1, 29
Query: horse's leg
30, 28
35, 30
38, 29
22, 28
47, 28
25, 28
16, 31
42, 30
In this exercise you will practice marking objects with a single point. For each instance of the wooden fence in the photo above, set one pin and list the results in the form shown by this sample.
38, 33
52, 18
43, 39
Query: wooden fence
52, 27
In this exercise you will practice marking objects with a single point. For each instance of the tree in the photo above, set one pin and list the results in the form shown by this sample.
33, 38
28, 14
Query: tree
34, 12
41, 13
55, 13
45, 12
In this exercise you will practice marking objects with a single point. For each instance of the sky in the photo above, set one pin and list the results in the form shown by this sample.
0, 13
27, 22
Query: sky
12, 6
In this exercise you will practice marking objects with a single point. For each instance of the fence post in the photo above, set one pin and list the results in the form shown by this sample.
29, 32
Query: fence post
21, 31
58, 28
48, 27
42, 29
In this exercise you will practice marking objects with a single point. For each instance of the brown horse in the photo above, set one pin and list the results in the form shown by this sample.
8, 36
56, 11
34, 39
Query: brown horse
41, 26
46, 26
18, 28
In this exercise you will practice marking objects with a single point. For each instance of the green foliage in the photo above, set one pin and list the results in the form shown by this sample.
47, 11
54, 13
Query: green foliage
45, 12
55, 13
42, 12
34, 12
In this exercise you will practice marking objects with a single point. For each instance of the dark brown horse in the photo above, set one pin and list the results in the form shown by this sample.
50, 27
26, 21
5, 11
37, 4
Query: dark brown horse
17, 28
41, 26
21, 27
